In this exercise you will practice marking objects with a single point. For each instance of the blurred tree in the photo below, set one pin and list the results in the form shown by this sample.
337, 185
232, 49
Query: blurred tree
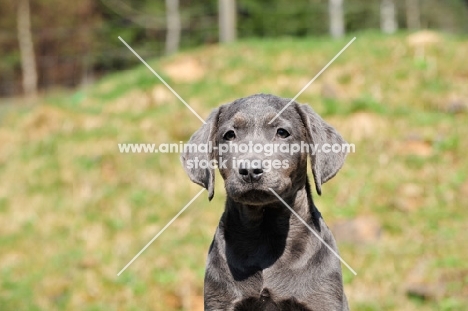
26, 47
173, 26
227, 20
388, 19
336, 14
413, 15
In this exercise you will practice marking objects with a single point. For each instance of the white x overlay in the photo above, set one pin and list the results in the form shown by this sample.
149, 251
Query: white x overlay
313, 231
160, 232
312, 81
162, 80
199, 193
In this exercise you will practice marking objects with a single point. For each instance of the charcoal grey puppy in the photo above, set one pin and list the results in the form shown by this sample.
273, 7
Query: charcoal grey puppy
262, 257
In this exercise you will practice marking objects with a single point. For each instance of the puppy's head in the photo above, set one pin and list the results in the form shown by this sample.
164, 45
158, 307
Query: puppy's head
254, 155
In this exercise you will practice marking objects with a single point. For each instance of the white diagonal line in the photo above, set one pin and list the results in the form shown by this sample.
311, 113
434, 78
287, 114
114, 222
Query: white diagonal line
160, 232
312, 81
162, 80
313, 231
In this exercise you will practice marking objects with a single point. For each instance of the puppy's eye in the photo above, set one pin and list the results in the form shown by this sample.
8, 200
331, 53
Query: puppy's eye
230, 135
282, 133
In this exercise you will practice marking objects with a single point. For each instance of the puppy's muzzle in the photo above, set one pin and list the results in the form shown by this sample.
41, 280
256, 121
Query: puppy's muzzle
251, 173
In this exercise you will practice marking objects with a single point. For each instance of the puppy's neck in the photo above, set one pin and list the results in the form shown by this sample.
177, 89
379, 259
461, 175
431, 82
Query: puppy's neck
256, 236
252, 216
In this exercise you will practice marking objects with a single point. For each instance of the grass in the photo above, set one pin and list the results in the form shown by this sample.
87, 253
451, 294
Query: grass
74, 211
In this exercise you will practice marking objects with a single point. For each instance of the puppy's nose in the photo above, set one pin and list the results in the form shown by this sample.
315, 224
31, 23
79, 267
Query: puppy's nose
251, 174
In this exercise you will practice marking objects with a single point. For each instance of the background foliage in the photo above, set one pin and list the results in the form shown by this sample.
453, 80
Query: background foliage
75, 42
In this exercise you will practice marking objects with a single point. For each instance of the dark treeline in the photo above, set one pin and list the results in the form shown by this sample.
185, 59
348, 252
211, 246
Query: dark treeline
73, 42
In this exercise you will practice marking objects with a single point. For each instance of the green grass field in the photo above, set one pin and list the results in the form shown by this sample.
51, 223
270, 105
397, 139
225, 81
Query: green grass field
74, 211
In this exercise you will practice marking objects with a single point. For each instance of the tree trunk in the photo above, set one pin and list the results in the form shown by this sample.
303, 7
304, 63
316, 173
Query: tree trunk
413, 15
227, 20
388, 20
335, 10
173, 26
26, 47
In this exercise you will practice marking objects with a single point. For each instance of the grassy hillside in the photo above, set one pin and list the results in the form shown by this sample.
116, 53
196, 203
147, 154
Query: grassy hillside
74, 211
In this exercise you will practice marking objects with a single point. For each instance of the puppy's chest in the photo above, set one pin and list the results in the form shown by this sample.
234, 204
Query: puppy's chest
271, 289
267, 300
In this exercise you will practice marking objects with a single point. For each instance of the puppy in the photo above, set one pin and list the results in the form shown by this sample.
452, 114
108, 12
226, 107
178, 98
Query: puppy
262, 256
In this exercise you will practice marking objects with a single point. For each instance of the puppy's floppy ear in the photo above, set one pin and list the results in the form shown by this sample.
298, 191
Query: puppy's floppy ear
204, 135
324, 165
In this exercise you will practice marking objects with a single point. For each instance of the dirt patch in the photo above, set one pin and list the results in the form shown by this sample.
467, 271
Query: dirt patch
44, 121
410, 198
361, 230
419, 284
187, 69
360, 125
424, 38
160, 94
415, 148
135, 101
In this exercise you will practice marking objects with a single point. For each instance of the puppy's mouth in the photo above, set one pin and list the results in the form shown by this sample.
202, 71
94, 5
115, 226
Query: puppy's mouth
256, 197
252, 194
